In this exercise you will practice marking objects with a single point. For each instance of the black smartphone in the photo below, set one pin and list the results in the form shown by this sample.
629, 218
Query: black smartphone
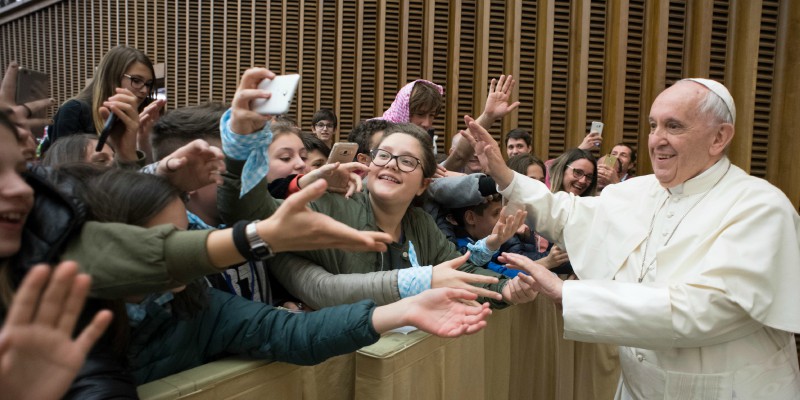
107, 127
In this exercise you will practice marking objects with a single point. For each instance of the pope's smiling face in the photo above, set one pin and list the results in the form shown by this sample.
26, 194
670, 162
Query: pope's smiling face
682, 141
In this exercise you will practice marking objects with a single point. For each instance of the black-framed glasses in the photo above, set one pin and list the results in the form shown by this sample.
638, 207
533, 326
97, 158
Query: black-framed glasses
404, 162
321, 125
579, 173
138, 83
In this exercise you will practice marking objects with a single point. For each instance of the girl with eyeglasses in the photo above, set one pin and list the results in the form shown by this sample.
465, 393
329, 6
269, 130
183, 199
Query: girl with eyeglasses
419, 257
574, 172
123, 84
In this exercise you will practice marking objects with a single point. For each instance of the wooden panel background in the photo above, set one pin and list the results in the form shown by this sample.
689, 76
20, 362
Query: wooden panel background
576, 61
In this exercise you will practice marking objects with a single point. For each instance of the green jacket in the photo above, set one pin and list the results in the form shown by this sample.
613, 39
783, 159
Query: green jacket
432, 247
125, 260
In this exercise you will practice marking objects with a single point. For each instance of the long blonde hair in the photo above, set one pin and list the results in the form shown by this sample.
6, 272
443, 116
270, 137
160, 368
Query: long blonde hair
109, 76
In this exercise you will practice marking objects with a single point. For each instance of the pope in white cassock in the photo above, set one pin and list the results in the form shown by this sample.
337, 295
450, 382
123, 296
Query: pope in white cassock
693, 271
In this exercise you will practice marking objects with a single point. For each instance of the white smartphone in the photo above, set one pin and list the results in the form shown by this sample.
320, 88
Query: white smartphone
597, 126
282, 88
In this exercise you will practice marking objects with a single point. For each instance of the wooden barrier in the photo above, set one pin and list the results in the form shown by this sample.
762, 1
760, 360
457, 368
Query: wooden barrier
520, 355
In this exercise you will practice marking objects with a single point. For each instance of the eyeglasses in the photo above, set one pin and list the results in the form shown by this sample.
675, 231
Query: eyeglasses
579, 173
138, 83
404, 162
321, 125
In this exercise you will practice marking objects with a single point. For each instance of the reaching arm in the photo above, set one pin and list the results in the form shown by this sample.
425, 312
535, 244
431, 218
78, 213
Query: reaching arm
159, 258
319, 288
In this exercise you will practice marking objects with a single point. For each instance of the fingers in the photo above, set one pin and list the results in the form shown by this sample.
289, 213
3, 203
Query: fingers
74, 303
508, 83
489, 294
104, 112
475, 328
306, 195
457, 262
460, 294
513, 289
379, 238
353, 240
527, 279
253, 76
440, 172
94, 330
56, 293
356, 183
39, 105
154, 107
23, 307
326, 169
516, 261
247, 89
8, 88
35, 123
493, 85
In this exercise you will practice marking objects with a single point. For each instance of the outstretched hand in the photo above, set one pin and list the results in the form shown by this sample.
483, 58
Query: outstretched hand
505, 228
539, 277
147, 118
488, 152
497, 105
445, 312
519, 291
555, 258
295, 227
193, 166
446, 274
23, 113
38, 357
341, 177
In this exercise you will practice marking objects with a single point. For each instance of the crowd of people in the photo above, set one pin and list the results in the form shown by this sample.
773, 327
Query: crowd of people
213, 230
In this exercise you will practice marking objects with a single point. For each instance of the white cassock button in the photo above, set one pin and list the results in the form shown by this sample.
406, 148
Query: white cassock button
670, 214
640, 357
665, 233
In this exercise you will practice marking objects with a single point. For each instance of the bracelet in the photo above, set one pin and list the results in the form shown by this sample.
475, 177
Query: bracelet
240, 239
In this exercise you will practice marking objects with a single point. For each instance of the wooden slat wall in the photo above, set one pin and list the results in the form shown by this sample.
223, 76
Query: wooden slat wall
577, 61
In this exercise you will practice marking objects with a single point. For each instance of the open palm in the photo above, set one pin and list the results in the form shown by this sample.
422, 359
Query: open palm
443, 312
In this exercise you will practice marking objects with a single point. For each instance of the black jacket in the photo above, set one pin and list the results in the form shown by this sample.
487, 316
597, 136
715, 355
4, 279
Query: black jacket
56, 217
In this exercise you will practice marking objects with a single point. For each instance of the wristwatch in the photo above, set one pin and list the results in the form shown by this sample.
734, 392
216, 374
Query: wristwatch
258, 246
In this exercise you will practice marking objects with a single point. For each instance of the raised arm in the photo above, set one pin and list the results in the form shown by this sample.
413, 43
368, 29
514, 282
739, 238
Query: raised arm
497, 107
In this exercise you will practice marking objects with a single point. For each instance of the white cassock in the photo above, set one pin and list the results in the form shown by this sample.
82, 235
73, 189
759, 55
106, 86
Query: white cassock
718, 258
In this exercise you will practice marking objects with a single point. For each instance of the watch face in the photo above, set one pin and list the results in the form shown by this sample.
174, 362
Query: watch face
258, 246
261, 251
